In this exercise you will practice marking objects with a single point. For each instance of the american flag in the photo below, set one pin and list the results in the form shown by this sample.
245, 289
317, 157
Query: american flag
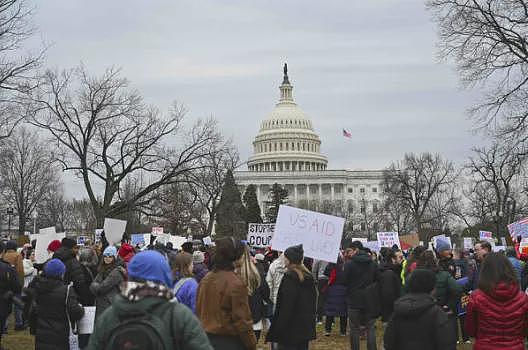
347, 134
519, 228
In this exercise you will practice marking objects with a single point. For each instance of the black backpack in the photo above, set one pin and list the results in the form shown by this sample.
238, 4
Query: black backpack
143, 331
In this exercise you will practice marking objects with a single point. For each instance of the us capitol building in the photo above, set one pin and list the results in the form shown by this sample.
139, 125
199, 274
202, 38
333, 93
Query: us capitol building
287, 151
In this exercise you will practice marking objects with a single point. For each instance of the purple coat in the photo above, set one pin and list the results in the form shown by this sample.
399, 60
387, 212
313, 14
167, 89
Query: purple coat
336, 293
199, 271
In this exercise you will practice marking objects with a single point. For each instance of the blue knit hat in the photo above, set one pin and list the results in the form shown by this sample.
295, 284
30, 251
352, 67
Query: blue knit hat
54, 268
442, 245
150, 266
110, 251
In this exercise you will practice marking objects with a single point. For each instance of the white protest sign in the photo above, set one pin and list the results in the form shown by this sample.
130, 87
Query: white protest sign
86, 323
320, 234
498, 248
486, 236
157, 231
359, 239
81, 240
163, 238
41, 248
372, 245
468, 243
114, 230
503, 241
137, 239
177, 241
259, 235
388, 239
207, 240
47, 230
98, 232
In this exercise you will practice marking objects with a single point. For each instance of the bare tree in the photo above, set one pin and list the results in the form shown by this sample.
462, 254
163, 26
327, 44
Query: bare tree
487, 39
495, 171
53, 209
415, 181
27, 171
107, 135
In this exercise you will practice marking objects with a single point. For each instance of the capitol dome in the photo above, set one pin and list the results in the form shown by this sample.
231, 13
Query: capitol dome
286, 140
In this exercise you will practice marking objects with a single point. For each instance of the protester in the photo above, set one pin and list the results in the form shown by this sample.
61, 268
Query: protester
108, 280
222, 305
461, 271
89, 263
56, 303
390, 282
199, 267
409, 265
142, 315
261, 264
445, 257
16, 260
293, 324
67, 253
274, 277
360, 273
185, 287
318, 271
187, 247
9, 285
418, 322
496, 314
29, 270
126, 252
517, 264
336, 293
482, 249
257, 290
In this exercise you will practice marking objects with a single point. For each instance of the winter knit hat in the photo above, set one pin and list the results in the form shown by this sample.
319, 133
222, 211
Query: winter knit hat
442, 245
68, 243
54, 268
11, 245
295, 254
54, 245
198, 257
125, 249
150, 266
259, 257
422, 281
110, 251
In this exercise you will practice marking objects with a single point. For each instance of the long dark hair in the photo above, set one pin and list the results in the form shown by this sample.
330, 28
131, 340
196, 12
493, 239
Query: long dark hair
428, 261
228, 250
496, 268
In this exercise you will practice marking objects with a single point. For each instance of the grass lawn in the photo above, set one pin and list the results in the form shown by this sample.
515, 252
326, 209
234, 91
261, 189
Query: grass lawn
22, 340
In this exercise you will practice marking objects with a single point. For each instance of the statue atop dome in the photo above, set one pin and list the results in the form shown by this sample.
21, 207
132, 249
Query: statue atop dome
285, 80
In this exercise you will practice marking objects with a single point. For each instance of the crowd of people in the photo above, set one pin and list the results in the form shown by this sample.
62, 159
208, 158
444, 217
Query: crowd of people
229, 296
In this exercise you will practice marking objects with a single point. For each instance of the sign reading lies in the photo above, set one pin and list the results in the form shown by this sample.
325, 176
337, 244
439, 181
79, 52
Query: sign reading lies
320, 234
259, 235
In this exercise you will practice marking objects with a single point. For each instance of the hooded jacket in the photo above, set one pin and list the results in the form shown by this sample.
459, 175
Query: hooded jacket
498, 320
183, 325
74, 273
52, 329
294, 318
419, 324
360, 272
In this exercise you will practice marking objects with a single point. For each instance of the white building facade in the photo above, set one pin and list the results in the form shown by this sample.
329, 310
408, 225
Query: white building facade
286, 151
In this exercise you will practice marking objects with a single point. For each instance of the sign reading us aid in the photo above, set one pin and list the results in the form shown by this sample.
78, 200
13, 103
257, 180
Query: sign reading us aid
259, 235
320, 234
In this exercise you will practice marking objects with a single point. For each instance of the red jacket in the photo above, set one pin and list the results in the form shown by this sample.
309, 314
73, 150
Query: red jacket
499, 320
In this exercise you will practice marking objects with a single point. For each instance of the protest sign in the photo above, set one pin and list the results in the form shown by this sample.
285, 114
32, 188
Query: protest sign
137, 239
163, 238
486, 236
207, 240
41, 248
259, 235
468, 243
518, 228
146, 238
388, 239
47, 230
412, 240
498, 248
156, 231
320, 234
177, 241
98, 233
86, 324
114, 230
360, 239
81, 240
373, 246
503, 241
464, 299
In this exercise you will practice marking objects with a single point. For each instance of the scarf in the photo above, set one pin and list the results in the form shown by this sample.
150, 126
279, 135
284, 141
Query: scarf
135, 291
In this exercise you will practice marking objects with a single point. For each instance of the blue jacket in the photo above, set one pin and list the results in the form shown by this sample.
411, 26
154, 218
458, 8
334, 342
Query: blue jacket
517, 267
186, 293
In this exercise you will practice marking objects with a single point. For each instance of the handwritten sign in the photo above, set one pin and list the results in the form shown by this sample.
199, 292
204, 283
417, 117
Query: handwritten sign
138, 239
486, 236
388, 239
207, 240
373, 246
468, 243
157, 231
360, 239
114, 230
259, 235
81, 240
47, 230
177, 241
86, 324
163, 238
98, 232
41, 248
320, 234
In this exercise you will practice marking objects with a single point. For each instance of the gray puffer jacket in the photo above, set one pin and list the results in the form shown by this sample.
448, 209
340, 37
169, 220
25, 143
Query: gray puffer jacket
105, 286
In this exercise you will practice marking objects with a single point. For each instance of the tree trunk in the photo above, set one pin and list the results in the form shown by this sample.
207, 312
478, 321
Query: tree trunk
21, 224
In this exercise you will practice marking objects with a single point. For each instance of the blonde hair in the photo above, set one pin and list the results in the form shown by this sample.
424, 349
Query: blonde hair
181, 264
299, 269
248, 272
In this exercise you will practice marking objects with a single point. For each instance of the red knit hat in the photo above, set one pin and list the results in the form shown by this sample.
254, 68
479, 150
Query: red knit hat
54, 245
125, 250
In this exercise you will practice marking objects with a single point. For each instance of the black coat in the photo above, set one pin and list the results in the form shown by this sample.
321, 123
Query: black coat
74, 274
294, 319
391, 286
8, 283
257, 300
419, 324
52, 329
360, 272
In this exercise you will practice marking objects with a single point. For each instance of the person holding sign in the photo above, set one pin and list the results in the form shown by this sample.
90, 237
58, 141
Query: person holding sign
293, 324
496, 312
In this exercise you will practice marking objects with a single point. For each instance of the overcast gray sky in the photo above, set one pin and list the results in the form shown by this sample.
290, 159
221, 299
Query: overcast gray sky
367, 66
